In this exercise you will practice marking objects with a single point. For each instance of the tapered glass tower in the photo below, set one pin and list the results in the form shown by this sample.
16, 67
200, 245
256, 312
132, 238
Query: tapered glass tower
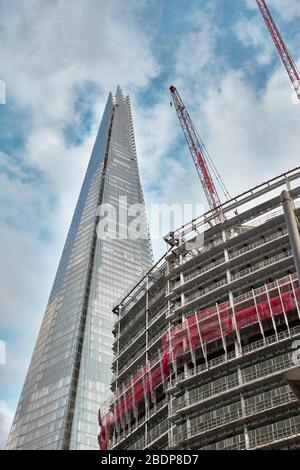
70, 370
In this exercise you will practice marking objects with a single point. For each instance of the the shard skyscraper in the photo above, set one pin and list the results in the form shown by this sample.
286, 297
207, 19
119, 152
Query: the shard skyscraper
70, 370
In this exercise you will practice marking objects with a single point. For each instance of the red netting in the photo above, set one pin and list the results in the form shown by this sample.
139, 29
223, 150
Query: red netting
198, 329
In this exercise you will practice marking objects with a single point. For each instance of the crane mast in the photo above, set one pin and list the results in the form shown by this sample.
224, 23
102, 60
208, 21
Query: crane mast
284, 53
197, 150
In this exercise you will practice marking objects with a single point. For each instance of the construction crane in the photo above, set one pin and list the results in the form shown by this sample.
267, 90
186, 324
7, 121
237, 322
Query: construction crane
284, 53
200, 157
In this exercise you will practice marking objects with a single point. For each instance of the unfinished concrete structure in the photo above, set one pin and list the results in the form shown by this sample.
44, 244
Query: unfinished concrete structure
204, 341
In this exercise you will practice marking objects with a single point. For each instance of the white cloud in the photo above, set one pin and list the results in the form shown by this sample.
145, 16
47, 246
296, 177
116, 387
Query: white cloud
195, 58
45, 53
168, 175
252, 33
250, 132
49, 47
252, 135
154, 128
51, 51
6, 417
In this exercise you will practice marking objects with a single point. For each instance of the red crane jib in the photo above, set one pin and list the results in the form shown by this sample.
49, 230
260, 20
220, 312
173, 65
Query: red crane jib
197, 151
207, 178
284, 53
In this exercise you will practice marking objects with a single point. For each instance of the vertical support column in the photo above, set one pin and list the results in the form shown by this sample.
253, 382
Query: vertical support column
134, 407
181, 276
240, 375
237, 341
188, 425
292, 227
258, 317
294, 293
182, 296
193, 356
168, 272
117, 369
125, 403
201, 341
244, 414
185, 365
288, 184
226, 257
168, 279
221, 330
118, 404
271, 311
283, 308
123, 419
118, 343
174, 367
147, 361
171, 354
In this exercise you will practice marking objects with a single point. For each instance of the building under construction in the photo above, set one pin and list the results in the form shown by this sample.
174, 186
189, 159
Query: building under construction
205, 338
205, 343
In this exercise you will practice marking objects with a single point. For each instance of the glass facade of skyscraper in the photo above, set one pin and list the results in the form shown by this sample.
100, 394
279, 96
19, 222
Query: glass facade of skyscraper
70, 370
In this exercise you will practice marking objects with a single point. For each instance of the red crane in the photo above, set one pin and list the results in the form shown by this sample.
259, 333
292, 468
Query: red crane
284, 53
200, 156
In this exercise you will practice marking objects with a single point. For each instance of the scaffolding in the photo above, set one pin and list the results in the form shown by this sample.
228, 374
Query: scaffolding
199, 328
230, 302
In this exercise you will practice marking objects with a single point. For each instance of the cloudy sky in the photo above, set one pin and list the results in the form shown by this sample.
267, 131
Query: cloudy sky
60, 59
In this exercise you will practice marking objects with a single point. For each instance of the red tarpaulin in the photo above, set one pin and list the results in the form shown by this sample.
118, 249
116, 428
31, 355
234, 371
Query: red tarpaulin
199, 328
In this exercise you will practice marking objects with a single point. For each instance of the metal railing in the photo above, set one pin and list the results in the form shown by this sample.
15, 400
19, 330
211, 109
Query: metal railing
156, 316
250, 375
227, 445
216, 362
202, 250
204, 270
268, 403
139, 444
232, 256
142, 327
273, 435
207, 425
227, 418
202, 292
158, 407
272, 214
131, 360
129, 324
158, 336
157, 431
197, 395
262, 290
134, 427
259, 243
261, 265
230, 382
152, 300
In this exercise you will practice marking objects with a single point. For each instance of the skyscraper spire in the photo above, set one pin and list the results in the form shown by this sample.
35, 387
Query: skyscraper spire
70, 369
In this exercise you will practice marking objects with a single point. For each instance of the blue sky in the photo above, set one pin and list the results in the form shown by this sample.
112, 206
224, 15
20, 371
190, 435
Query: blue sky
58, 74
